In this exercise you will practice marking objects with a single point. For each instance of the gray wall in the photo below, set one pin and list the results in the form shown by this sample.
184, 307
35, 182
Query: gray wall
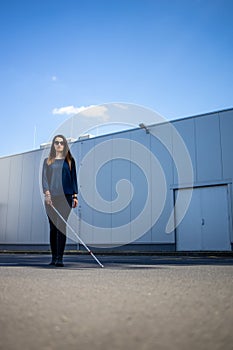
208, 139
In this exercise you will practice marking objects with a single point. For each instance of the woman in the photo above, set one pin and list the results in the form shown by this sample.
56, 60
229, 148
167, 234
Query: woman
60, 187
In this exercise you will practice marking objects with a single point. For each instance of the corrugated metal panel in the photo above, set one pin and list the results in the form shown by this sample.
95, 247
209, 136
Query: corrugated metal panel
74, 218
26, 198
39, 226
15, 180
4, 190
141, 180
102, 183
186, 130
161, 147
226, 128
226, 131
209, 161
121, 171
86, 182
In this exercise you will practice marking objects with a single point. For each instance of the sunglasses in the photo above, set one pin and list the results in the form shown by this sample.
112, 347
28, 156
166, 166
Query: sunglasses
59, 142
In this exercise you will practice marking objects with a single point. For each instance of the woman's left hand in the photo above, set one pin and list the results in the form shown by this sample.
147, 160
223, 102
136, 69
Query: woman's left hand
75, 202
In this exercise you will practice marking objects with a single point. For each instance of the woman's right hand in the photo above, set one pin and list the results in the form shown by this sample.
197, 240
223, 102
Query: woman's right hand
48, 199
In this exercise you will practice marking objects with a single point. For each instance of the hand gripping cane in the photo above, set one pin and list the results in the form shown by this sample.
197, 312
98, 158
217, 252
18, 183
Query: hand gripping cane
80, 240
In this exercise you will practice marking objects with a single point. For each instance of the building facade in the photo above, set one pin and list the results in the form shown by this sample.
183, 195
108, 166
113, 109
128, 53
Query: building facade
168, 188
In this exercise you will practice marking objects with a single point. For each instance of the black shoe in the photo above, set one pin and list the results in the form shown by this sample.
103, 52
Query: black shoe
59, 263
53, 262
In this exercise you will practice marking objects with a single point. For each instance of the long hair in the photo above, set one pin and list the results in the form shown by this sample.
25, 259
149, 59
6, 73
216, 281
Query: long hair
66, 151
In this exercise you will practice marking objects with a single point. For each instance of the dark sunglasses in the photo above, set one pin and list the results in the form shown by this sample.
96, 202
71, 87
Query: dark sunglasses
57, 143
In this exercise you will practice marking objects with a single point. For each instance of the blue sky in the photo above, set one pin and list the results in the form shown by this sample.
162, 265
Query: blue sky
172, 56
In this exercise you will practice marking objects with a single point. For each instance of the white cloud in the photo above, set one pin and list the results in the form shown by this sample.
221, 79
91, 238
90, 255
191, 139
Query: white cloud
54, 78
68, 110
91, 111
96, 112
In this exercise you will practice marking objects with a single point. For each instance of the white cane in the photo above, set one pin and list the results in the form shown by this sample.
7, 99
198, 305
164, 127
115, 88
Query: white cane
80, 240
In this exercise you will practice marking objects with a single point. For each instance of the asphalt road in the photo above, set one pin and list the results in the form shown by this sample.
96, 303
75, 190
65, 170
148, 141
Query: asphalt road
134, 302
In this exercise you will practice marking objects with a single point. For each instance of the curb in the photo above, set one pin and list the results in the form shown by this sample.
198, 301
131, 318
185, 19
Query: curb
129, 253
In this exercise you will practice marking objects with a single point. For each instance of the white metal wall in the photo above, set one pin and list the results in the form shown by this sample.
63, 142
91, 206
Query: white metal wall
208, 139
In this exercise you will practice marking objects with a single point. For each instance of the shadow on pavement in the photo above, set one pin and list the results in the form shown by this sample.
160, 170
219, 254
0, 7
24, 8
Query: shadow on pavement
116, 261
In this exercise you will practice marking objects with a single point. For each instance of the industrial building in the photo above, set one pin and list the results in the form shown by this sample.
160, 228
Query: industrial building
163, 187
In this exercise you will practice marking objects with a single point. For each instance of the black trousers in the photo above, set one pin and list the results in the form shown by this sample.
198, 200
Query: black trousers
63, 204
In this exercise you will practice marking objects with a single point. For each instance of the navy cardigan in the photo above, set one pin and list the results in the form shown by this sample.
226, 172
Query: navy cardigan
58, 178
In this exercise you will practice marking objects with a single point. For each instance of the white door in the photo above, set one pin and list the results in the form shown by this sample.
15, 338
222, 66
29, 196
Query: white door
206, 223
